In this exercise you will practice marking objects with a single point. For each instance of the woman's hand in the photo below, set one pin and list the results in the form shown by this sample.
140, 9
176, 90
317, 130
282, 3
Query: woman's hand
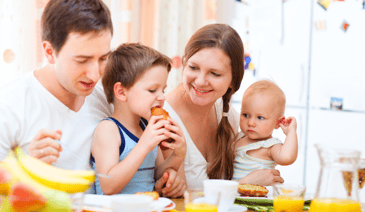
45, 145
263, 177
171, 184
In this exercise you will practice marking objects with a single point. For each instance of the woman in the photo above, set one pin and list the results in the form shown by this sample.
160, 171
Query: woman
212, 72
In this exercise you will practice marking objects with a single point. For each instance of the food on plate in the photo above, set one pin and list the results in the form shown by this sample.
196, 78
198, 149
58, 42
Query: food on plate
153, 194
252, 190
157, 111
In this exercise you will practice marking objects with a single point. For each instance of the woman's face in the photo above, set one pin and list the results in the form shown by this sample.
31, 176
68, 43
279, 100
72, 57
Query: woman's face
207, 75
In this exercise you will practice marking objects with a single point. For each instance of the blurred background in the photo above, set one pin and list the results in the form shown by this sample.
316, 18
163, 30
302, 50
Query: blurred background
313, 49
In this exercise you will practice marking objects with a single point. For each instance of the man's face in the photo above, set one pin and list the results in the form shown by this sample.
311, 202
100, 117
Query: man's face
81, 61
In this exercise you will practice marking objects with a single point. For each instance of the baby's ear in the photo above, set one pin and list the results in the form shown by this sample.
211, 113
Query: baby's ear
120, 92
281, 120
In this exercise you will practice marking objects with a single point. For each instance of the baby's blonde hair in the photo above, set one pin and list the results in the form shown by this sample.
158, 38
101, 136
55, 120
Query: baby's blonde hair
268, 87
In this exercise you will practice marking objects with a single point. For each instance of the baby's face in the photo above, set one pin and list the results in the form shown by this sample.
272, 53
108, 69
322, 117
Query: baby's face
259, 116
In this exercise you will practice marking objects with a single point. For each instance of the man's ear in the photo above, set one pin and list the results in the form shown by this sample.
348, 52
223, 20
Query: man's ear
120, 92
280, 121
49, 51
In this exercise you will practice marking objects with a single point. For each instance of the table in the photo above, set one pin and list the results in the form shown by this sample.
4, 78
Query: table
180, 205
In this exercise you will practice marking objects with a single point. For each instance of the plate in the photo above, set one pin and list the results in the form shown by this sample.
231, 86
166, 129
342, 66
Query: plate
269, 198
163, 203
237, 208
102, 203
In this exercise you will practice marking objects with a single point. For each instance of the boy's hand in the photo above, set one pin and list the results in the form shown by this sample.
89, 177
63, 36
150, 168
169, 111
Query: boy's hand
154, 133
45, 146
175, 132
289, 125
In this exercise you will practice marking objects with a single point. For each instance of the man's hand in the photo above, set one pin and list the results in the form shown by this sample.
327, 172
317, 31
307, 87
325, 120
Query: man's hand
45, 146
263, 177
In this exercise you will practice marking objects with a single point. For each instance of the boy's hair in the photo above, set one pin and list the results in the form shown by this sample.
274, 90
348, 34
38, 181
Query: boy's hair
128, 63
268, 87
61, 17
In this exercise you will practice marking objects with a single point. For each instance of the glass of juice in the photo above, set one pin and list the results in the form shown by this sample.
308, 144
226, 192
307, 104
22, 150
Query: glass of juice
288, 197
196, 202
334, 205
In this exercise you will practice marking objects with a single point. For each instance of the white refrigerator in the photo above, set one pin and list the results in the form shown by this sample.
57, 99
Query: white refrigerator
312, 60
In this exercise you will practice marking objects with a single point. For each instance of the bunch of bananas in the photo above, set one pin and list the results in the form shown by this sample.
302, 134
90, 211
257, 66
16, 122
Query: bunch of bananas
29, 184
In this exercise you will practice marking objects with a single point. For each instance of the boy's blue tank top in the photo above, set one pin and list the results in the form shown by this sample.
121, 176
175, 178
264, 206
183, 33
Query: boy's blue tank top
143, 180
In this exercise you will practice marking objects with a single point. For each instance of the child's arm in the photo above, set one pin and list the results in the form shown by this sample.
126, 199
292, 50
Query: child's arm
105, 149
177, 156
286, 153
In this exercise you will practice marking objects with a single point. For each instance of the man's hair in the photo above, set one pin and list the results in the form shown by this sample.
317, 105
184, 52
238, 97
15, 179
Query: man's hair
128, 63
61, 17
268, 87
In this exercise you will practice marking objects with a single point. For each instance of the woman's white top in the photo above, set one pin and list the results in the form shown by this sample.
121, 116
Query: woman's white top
195, 163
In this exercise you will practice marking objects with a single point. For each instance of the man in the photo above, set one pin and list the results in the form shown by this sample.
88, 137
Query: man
60, 98
52, 112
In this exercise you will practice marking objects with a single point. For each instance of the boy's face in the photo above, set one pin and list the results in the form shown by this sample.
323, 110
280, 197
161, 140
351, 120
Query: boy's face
81, 61
148, 91
259, 116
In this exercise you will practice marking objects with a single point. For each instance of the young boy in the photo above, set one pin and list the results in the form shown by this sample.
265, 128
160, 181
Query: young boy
125, 147
262, 111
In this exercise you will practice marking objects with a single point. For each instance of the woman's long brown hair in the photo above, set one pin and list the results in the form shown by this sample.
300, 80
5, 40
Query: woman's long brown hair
227, 39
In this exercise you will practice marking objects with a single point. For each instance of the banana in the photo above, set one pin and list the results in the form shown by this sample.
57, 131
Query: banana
69, 181
12, 165
26, 160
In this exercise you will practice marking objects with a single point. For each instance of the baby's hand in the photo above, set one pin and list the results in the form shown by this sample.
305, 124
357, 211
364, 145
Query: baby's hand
288, 125
154, 132
175, 132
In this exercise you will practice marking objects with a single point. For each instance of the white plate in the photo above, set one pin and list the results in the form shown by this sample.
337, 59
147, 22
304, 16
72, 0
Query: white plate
162, 203
237, 208
103, 203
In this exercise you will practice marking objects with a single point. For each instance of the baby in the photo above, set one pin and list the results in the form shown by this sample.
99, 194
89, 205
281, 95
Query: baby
262, 111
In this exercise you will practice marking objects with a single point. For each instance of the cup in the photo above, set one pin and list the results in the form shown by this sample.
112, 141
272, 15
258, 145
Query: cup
131, 203
195, 201
224, 191
289, 197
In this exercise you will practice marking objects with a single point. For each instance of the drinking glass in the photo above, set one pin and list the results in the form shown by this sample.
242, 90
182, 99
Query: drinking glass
288, 197
77, 201
195, 201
